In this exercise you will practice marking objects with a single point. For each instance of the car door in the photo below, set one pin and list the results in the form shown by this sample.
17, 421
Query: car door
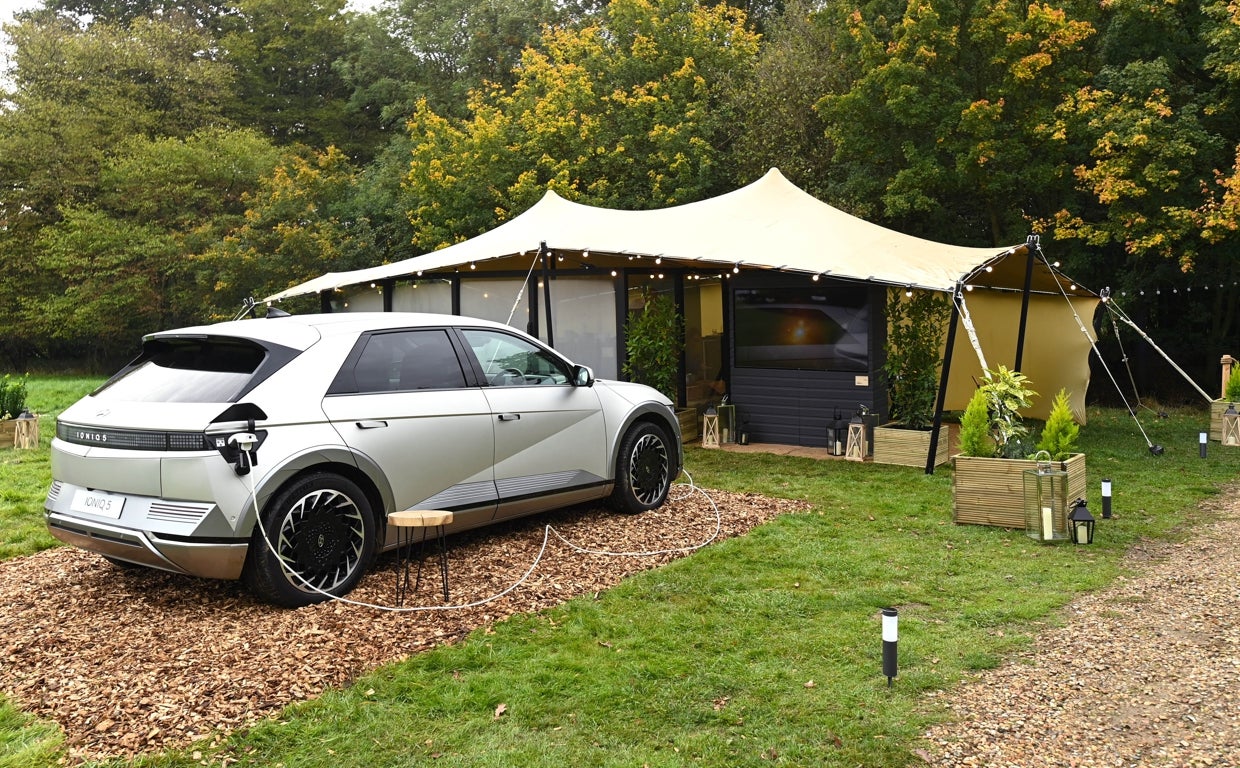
402, 401
550, 436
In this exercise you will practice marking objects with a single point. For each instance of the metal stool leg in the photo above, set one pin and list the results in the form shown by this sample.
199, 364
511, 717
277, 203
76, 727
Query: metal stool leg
443, 560
403, 544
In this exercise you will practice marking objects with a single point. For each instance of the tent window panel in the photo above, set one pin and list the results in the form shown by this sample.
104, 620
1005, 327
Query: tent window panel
810, 328
584, 312
431, 295
493, 299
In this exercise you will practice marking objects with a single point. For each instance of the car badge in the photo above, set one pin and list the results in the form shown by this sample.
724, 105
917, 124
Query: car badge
104, 412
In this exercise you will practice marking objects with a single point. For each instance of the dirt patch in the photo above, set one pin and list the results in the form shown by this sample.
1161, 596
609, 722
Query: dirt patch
130, 661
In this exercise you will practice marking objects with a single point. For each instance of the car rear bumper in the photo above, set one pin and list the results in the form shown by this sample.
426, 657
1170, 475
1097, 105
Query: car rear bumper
212, 558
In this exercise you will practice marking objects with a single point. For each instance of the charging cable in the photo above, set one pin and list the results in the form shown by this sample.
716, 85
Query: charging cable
246, 446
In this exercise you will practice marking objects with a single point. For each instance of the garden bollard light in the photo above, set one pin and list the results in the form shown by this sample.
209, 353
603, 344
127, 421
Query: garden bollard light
890, 636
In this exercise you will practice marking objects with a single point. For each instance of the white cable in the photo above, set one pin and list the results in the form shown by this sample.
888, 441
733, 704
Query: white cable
547, 531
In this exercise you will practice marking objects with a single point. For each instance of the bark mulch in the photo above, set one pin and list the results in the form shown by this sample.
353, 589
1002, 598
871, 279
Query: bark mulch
1143, 673
129, 661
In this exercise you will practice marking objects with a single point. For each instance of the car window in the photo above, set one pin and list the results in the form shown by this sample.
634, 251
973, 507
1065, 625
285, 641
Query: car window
187, 370
404, 360
509, 361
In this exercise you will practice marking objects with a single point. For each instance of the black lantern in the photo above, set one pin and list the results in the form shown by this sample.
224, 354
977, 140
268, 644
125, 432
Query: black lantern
837, 432
1081, 523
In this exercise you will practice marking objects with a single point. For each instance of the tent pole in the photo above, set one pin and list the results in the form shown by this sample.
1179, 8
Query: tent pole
545, 252
947, 367
1031, 245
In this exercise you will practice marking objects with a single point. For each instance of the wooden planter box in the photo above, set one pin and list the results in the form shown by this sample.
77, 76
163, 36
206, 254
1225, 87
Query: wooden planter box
689, 427
19, 433
909, 447
1216, 418
992, 491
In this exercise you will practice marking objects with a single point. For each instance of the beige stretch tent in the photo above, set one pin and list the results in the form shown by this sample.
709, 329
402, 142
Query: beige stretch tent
772, 224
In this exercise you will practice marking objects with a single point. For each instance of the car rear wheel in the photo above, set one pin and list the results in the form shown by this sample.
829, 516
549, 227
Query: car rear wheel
320, 538
643, 469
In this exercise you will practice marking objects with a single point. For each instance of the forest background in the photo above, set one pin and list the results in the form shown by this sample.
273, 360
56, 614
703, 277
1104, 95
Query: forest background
161, 161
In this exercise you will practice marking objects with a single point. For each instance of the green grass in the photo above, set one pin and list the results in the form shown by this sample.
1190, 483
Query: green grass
709, 660
26, 475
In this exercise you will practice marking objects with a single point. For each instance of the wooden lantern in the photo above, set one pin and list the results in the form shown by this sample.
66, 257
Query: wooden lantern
856, 449
710, 428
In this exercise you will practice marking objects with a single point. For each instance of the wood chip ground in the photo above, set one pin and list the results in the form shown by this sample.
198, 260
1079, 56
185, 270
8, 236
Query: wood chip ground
129, 661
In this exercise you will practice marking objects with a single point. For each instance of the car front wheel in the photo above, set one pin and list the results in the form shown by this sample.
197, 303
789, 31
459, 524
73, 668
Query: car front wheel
320, 538
643, 469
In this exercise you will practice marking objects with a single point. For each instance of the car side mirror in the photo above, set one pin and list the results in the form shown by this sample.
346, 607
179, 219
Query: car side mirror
583, 376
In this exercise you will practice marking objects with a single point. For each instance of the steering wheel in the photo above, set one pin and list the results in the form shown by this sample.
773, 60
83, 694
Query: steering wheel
508, 377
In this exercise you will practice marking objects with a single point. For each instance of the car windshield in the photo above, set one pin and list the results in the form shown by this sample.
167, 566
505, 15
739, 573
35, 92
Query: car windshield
195, 370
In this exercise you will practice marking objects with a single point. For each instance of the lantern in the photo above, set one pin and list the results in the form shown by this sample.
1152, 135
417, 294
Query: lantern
1231, 426
1081, 523
1045, 505
855, 450
710, 428
837, 431
727, 422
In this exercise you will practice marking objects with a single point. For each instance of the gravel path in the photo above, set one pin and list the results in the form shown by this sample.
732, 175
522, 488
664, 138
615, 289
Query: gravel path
1144, 673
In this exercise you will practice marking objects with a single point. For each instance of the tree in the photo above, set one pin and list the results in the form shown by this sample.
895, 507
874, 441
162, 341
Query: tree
294, 229
78, 93
629, 113
440, 50
800, 62
284, 53
943, 132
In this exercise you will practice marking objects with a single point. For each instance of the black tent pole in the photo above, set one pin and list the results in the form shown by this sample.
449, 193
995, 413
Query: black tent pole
546, 278
1031, 245
947, 367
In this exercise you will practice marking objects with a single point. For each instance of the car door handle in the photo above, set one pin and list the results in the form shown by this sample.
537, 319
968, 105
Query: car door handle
510, 417
372, 424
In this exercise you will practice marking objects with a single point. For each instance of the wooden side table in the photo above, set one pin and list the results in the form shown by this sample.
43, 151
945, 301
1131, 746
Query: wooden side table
407, 523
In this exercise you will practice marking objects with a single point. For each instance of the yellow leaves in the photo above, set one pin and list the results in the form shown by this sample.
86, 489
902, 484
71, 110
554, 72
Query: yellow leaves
1028, 68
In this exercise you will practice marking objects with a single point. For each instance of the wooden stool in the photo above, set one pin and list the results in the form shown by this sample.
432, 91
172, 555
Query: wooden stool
406, 522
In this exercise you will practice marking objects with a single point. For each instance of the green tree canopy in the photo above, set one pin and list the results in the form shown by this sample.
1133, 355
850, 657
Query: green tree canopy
628, 113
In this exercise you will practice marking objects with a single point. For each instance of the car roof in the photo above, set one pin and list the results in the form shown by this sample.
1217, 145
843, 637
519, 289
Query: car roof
301, 331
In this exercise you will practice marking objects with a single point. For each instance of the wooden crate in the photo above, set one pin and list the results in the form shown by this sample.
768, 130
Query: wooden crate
1216, 418
992, 491
19, 433
689, 426
909, 447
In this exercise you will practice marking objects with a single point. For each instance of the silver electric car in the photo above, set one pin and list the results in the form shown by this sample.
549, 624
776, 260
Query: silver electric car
321, 425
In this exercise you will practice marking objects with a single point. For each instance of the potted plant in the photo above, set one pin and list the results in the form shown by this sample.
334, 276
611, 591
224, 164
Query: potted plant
1231, 394
988, 479
18, 427
916, 324
653, 341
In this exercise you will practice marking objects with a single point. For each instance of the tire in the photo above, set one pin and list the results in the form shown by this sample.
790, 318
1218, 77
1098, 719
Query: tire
643, 469
324, 530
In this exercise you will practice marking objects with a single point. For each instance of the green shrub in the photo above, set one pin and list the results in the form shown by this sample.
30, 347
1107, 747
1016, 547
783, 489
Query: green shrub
654, 341
1232, 390
12, 397
914, 354
975, 439
1061, 431
998, 402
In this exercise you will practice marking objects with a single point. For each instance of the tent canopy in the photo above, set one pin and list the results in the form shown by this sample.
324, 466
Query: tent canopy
771, 224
